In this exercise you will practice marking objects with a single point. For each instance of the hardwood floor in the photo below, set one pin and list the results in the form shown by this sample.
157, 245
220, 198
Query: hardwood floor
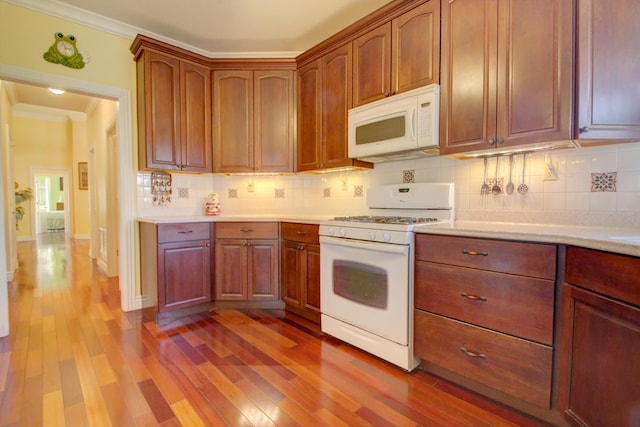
73, 358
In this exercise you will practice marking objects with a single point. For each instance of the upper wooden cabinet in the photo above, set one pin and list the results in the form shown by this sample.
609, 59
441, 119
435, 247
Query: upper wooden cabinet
253, 121
174, 109
608, 70
324, 97
507, 73
398, 56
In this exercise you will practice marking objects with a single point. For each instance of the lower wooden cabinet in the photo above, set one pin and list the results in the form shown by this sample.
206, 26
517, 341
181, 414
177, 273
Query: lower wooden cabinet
300, 269
600, 344
484, 312
246, 261
176, 261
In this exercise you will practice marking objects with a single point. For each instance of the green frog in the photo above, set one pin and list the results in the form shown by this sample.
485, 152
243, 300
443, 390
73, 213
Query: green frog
64, 51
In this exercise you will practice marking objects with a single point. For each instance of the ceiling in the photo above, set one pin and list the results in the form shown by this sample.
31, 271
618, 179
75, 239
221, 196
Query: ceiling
214, 28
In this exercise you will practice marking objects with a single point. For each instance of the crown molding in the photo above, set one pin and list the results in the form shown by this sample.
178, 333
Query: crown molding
38, 112
108, 25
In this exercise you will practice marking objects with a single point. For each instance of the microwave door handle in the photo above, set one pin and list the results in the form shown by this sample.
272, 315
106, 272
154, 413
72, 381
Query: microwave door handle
413, 124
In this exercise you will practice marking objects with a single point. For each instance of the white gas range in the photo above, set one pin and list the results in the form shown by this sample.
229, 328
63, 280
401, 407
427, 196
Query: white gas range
366, 268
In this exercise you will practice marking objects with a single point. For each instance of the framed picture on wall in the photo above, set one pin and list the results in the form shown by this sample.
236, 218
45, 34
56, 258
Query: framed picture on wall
83, 175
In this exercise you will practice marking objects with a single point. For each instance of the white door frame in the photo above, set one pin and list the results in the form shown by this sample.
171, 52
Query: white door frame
36, 171
128, 259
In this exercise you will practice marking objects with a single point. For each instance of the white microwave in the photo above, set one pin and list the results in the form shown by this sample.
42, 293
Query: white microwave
399, 127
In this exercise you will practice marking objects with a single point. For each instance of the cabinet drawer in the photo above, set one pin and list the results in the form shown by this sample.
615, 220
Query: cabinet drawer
181, 232
526, 259
516, 305
614, 275
247, 230
511, 365
304, 233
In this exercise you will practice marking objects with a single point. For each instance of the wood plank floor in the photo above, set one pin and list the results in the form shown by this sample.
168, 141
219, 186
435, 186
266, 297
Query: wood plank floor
73, 358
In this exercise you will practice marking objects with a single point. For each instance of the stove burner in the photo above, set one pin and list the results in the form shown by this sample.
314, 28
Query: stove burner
384, 219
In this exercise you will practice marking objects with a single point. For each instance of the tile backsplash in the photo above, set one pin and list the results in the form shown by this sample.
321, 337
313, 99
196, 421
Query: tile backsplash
598, 186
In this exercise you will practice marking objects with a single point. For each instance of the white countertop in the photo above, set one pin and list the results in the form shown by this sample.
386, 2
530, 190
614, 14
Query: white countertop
305, 219
620, 240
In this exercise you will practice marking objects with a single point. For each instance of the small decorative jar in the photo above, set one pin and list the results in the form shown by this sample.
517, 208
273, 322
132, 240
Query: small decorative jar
212, 205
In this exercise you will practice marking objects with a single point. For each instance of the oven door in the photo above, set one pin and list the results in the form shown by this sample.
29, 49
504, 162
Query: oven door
367, 285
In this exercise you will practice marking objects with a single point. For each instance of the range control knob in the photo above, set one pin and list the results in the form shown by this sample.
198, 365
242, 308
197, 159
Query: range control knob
386, 237
342, 232
372, 235
331, 231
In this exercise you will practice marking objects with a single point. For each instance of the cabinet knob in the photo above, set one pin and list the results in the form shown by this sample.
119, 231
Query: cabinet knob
500, 141
491, 141
207, 245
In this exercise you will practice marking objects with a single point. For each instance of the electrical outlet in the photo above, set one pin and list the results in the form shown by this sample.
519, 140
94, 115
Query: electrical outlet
250, 187
550, 173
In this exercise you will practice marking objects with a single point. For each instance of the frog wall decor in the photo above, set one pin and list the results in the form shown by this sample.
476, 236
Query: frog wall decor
64, 51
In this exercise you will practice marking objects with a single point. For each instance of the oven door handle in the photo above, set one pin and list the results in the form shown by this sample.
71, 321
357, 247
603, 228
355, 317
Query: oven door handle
361, 244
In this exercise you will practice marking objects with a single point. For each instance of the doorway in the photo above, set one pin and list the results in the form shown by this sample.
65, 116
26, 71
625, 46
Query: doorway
52, 201
128, 259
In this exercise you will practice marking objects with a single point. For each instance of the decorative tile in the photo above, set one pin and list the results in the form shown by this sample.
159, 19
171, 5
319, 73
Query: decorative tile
358, 191
408, 176
326, 192
605, 181
183, 193
233, 193
279, 193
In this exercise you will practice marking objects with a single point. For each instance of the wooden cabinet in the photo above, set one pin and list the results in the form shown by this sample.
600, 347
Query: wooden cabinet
608, 92
176, 261
324, 97
300, 269
253, 121
484, 310
600, 341
506, 73
398, 56
246, 261
174, 109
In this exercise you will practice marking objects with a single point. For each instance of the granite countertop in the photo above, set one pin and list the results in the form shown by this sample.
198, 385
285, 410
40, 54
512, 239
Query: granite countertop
619, 240
305, 219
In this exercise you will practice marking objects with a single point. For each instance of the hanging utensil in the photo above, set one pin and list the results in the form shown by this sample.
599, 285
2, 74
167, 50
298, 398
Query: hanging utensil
510, 186
523, 188
495, 190
484, 190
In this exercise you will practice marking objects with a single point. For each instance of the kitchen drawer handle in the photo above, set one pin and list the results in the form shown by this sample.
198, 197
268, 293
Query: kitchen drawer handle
473, 297
473, 353
246, 230
302, 233
185, 231
472, 252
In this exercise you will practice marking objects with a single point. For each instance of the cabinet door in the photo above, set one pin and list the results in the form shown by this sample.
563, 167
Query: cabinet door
231, 269
291, 262
608, 70
184, 274
336, 101
262, 260
415, 53
372, 65
312, 279
161, 126
273, 121
468, 91
195, 83
535, 71
233, 121
309, 117
599, 367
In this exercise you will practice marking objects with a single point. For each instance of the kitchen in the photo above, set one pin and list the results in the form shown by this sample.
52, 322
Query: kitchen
568, 201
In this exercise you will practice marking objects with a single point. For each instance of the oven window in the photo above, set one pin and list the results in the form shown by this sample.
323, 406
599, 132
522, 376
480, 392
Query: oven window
361, 283
381, 130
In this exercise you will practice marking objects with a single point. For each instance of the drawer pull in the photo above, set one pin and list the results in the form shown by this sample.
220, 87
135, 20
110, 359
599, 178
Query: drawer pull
473, 353
185, 231
302, 233
472, 252
246, 230
473, 297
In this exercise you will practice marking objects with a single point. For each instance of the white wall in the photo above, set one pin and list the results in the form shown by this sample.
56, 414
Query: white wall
569, 200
